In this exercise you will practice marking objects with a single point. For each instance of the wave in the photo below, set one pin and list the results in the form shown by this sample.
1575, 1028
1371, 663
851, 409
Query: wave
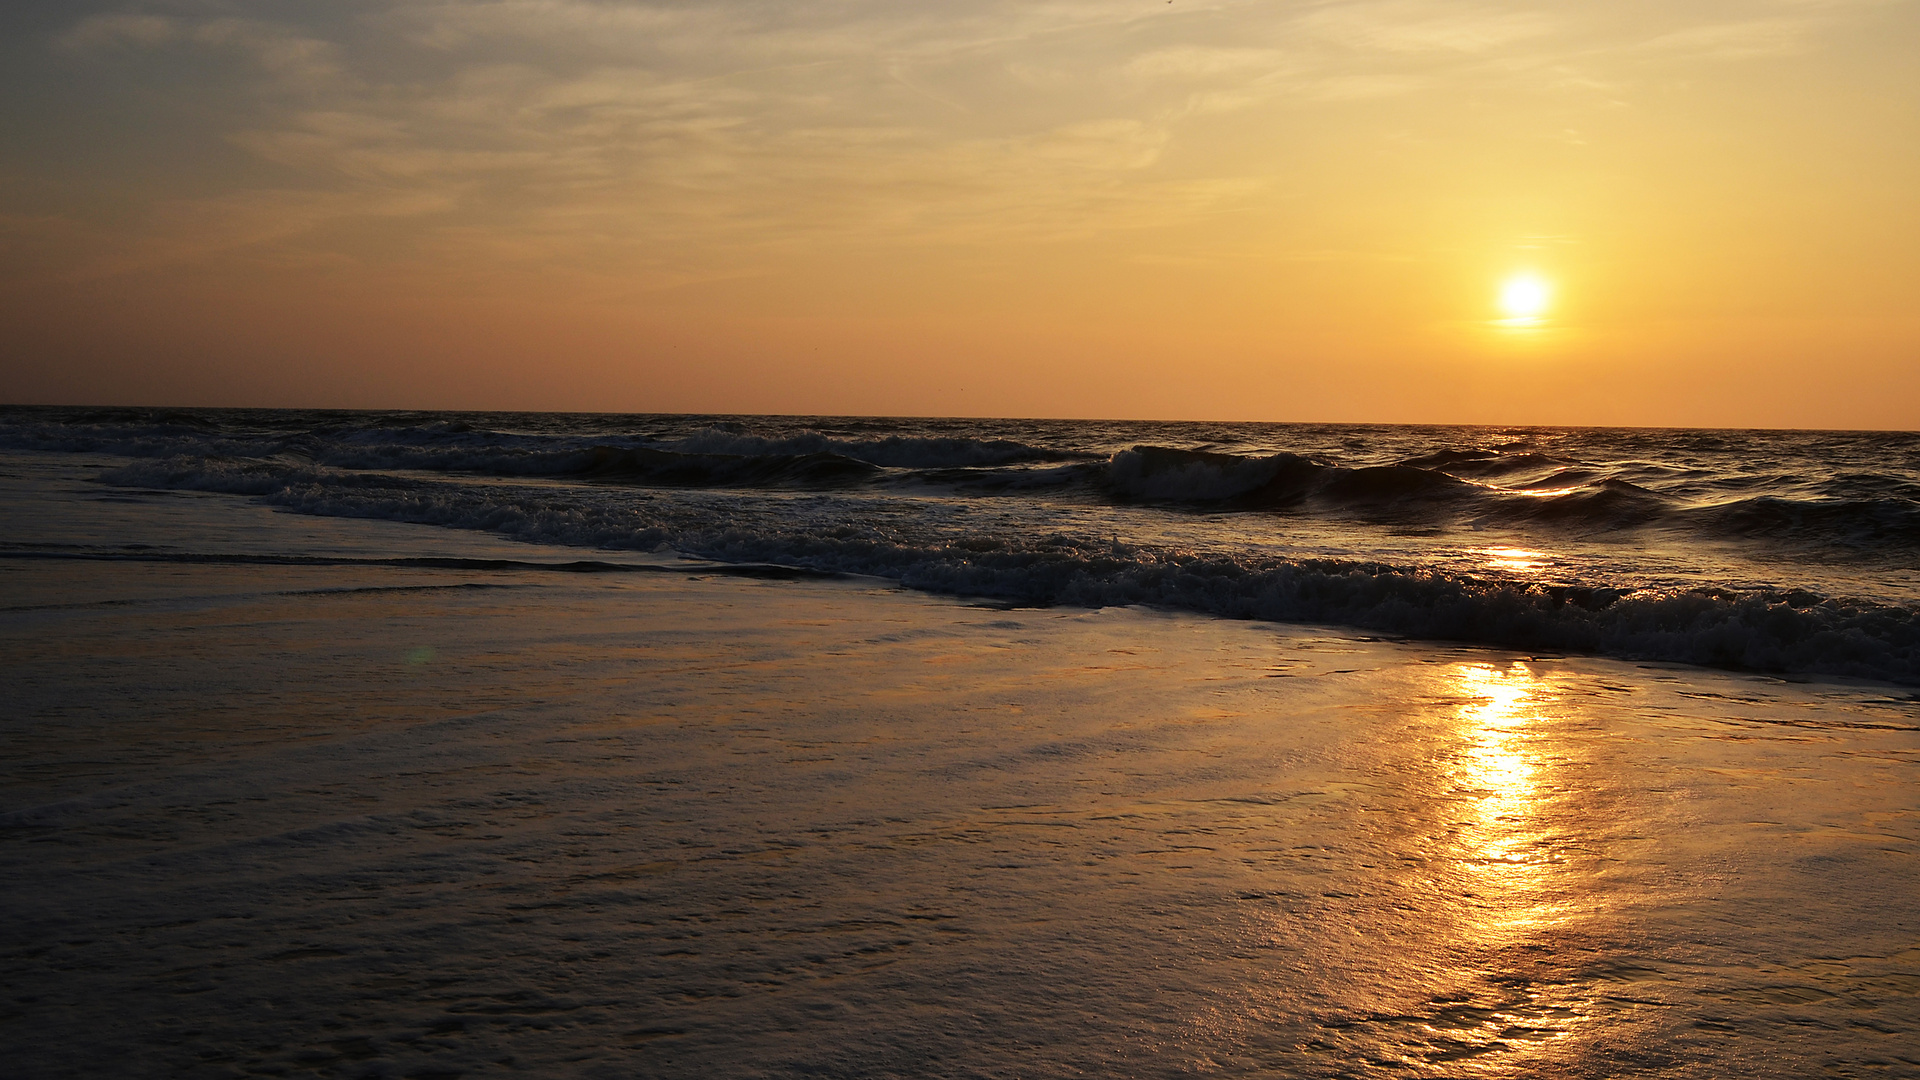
1167, 474
730, 458
1610, 504
1855, 523
1478, 462
820, 469
1536, 485
1394, 483
759, 571
1575, 498
892, 452
1791, 631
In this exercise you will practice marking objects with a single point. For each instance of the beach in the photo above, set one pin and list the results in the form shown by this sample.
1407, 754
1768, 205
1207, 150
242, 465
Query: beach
432, 803
990, 540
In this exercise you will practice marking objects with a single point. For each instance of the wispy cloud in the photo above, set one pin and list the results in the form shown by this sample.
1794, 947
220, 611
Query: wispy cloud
284, 53
1196, 61
1417, 26
1736, 40
584, 128
107, 31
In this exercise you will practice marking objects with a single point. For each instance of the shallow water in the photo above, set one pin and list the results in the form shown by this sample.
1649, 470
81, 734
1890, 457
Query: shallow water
349, 818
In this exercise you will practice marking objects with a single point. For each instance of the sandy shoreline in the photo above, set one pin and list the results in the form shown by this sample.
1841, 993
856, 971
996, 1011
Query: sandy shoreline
434, 822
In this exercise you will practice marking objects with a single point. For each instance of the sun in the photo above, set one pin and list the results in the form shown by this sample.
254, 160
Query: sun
1525, 297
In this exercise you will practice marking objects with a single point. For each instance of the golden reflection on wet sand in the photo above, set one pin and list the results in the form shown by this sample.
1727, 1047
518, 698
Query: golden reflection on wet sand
1498, 772
1506, 848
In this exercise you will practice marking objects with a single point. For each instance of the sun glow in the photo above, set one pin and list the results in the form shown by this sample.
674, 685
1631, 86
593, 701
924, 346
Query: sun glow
1525, 299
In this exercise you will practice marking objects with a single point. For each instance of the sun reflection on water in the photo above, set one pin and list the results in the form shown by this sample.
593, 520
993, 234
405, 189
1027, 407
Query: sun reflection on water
1506, 846
1513, 559
1501, 776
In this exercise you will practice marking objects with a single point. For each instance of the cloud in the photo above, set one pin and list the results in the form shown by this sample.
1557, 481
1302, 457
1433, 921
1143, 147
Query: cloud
700, 132
737, 122
1736, 40
107, 31
1197, 62
1418, 26
286, 54
1364, 87
1765, 29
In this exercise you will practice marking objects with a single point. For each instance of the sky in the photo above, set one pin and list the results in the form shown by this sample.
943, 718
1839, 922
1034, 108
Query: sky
1238, 209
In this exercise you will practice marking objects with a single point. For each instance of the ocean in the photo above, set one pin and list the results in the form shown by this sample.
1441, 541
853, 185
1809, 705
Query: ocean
468, 745
1773, 551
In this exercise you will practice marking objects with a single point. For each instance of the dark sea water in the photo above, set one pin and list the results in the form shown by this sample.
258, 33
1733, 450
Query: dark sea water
354, 745
1775, 551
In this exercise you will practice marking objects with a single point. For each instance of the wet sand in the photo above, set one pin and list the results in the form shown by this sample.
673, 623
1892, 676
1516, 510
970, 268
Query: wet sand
261, 820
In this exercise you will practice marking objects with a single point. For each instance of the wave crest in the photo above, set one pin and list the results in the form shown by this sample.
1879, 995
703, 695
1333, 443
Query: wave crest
1779, 631
892, 452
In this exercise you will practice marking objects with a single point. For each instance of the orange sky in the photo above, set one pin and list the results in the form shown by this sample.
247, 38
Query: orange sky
1238, 210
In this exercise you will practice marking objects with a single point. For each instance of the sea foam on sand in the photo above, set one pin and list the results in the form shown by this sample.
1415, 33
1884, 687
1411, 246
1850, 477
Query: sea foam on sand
409, 820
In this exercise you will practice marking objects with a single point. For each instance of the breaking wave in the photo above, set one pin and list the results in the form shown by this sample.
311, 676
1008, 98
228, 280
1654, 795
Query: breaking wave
1767, 551
1793, 630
